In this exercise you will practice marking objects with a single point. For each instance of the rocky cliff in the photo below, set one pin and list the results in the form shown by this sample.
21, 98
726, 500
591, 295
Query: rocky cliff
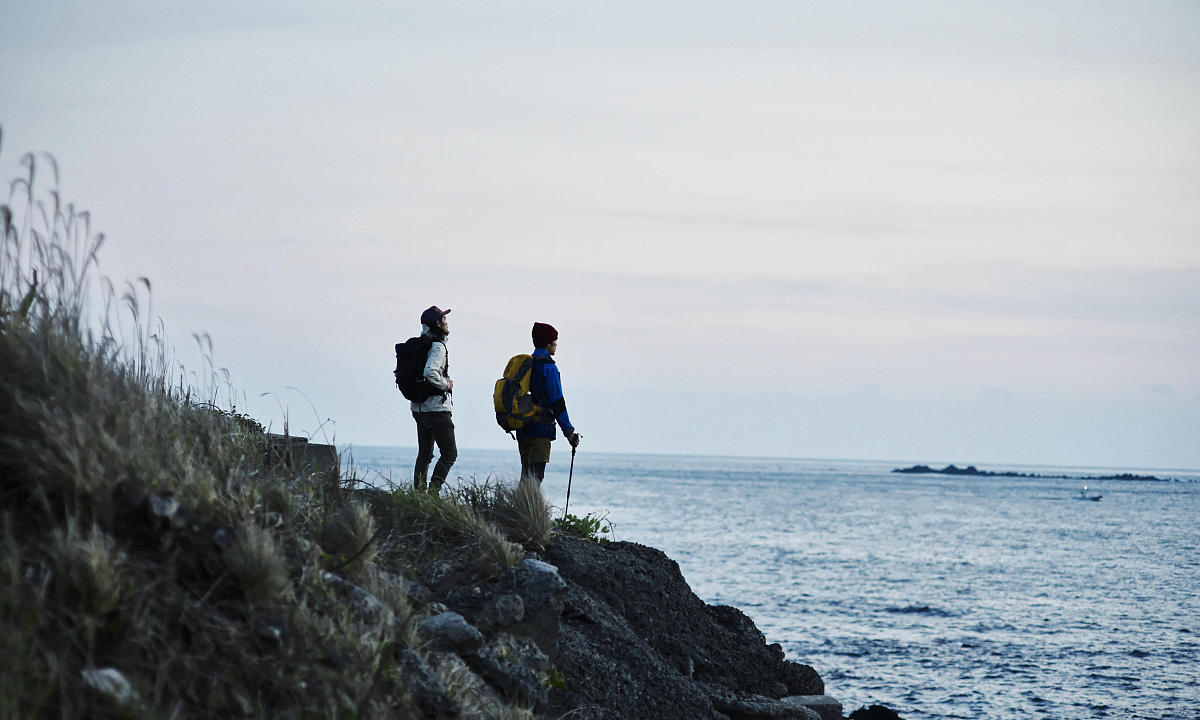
627, 638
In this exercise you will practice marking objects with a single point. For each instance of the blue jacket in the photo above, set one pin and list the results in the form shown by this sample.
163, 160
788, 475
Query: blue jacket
546, 388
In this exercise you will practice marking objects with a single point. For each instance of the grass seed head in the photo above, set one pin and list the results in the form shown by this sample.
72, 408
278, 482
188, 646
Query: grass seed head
87, 570
257, 564
350, 534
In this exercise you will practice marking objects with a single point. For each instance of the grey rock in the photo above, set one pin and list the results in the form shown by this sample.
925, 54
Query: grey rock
110, 683
828, 708
418, 594
367, 608
524, 651
541, 590
162, 506
269, 632
450, 632
526, 600
517, 683
506, 609
874, 712
423, 685
747, 706
221, 537
490, 611
542, 569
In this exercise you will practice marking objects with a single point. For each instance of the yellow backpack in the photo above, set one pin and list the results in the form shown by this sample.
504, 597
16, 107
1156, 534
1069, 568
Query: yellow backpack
512, 398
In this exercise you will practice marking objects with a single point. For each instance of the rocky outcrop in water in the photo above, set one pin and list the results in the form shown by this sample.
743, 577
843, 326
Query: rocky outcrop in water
972, 471
874, 712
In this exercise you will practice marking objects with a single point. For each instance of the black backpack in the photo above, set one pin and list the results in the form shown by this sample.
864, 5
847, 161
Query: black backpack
411, 356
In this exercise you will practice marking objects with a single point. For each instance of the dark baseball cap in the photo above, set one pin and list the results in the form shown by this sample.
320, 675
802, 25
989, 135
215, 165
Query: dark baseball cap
431, 316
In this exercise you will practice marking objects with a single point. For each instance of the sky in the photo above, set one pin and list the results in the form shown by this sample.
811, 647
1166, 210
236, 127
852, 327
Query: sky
927, 231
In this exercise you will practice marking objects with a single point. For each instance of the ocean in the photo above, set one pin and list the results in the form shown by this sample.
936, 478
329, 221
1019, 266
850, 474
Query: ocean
938, 596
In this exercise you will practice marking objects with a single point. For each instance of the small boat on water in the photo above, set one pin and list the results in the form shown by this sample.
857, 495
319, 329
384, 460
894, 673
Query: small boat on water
1085, 495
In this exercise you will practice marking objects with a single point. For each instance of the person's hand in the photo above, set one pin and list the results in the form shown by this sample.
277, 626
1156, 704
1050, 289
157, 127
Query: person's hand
574, 439
449, 385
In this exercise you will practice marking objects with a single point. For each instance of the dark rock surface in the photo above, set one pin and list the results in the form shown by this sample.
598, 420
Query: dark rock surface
636, 640
586, 630
525, 600
823, 706
516, 681
450, 631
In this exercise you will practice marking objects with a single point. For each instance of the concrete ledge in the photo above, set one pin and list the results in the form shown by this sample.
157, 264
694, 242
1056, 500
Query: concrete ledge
304, 456
824, 705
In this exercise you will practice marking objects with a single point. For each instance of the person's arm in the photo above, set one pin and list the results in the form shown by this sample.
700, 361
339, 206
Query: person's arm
558, 404
433, 368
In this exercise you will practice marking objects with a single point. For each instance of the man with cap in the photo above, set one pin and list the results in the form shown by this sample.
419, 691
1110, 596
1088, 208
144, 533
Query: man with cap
434, 424
533, 440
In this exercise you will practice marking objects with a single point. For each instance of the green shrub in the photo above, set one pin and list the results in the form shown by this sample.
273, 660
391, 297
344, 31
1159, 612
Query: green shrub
588, 527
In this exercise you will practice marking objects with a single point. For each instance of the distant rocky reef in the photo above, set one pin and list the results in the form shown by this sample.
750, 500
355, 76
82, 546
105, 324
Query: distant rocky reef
973, 471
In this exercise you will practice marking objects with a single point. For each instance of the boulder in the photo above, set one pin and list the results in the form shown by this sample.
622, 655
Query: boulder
636, 642
826, 707
450, 632
516, 681
874, 712
747, 706
716, 644
111, 684
525, 600
423, 685
367, 608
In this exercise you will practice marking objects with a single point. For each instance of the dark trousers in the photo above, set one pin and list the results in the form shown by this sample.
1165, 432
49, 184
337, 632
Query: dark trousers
535, 453
434, 427
534, 471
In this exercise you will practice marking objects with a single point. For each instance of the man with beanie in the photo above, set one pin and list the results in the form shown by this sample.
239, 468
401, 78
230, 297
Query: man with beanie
533, 440
434, 424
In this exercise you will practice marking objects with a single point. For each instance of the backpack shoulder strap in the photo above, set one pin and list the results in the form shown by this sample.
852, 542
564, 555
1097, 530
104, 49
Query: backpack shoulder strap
445, 349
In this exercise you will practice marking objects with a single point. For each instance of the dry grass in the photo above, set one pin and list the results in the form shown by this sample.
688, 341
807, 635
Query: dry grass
257, 565
424, 526
519, 510
350, 534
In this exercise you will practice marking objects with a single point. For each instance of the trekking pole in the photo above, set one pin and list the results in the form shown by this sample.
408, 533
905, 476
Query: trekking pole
570, 473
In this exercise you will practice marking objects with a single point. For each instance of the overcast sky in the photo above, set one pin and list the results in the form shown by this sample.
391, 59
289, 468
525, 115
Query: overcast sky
927, 231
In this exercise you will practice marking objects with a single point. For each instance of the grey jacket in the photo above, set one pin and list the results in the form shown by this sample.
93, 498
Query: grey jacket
436, 372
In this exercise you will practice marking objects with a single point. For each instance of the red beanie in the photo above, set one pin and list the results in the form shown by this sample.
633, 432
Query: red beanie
543, 334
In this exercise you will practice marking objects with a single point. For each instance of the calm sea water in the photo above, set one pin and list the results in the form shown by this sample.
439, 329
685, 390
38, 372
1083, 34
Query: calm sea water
941, 597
